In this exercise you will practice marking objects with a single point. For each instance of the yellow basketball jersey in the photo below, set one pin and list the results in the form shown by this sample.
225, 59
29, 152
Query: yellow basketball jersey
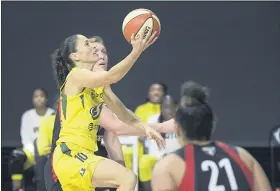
79, 116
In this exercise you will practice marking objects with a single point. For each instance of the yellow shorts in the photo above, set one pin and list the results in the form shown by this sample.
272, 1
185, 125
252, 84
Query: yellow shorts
74, 167
146, 165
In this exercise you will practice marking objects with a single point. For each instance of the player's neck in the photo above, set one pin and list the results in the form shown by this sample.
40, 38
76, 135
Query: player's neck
196, 142
41, 111
88, 66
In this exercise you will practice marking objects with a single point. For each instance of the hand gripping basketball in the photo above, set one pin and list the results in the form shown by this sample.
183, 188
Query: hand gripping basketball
140, 43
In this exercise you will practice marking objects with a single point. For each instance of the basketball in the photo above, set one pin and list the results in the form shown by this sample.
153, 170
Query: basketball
140, 20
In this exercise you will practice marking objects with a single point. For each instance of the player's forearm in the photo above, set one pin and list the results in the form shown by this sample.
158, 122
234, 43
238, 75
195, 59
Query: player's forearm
130, 130
113, 147
123, 113
118, 71
165, 127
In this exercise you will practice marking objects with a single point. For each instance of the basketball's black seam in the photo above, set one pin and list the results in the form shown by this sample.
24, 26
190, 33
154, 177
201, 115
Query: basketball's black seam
153, 24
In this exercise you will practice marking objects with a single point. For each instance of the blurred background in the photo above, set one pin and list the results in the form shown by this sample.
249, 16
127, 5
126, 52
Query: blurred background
231, 47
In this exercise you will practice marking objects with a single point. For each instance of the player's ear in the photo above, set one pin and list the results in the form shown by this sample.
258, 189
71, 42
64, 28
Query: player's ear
178, 130
74, 56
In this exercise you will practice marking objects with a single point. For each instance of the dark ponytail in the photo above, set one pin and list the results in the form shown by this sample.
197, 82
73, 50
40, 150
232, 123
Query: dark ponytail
61, 61
194, 114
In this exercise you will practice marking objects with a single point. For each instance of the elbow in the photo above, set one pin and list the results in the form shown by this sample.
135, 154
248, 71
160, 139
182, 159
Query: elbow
112, 78
115, 128
117, 132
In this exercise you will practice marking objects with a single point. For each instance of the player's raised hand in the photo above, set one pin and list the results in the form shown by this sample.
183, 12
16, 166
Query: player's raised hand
140, 42
152, 134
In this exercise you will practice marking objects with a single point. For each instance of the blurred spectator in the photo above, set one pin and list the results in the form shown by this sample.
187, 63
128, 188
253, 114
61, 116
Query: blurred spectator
148, 160
22, 159
151, 107
43, 145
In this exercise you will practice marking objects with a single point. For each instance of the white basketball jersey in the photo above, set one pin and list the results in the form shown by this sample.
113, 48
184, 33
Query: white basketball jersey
171, 141
29, 129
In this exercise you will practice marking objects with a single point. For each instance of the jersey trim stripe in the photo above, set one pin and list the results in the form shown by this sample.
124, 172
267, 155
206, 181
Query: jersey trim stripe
53, 173
82, 97
190, 167
244, 168
64, 104
188, 181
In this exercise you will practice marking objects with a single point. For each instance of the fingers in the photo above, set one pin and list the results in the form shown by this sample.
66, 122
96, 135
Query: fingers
151, 38
159, 140
132, 38
153, 41
160, 144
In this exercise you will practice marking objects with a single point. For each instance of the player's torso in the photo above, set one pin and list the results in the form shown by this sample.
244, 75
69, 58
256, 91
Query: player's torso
215, 169
79, 116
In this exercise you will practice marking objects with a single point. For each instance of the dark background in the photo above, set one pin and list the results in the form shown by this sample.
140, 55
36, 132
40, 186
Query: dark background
231, 47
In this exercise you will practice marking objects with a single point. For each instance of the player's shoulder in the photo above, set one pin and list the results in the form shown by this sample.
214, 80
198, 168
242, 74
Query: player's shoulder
50, 111
141, 107
48, 118
167, 161
28, 113
244, 153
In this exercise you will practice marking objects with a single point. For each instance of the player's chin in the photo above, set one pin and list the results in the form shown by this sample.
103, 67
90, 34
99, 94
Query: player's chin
103, 68
39, 105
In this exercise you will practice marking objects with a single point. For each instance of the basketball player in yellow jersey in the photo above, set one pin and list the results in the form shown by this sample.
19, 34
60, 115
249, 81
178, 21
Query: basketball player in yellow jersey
79, 66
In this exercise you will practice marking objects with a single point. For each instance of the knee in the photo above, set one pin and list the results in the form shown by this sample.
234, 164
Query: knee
129, 178
16, 162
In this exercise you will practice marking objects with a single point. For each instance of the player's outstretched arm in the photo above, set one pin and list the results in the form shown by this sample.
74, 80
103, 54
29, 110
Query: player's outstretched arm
127, 116
165, 127
113, 147
89, 79
110, 121
123, 113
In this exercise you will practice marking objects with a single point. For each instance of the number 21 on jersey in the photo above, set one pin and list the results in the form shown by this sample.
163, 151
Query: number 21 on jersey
224, 163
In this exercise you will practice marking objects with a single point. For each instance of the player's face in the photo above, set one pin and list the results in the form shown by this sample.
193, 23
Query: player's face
85, 53
101, 53
39, 99
155, 93
168, 109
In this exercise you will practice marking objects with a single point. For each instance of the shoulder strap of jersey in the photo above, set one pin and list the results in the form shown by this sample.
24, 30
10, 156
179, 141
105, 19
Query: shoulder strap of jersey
56, 129
234, 155
188, 181
180, 152
73, 69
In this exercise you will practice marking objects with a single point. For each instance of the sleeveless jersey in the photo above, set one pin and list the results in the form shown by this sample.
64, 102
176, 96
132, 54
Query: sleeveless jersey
171, 141
214, 167
79, 116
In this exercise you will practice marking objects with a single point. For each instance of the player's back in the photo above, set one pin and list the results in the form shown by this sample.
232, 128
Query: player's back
79, 115
214, 167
